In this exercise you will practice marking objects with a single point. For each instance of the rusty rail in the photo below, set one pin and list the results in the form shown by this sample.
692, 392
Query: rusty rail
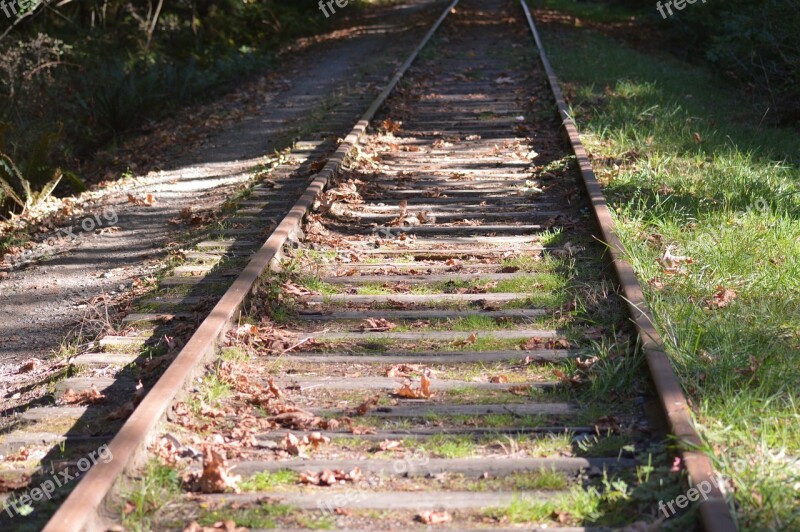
715, 512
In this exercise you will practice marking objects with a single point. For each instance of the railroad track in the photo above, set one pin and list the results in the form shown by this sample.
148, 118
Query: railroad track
431, 335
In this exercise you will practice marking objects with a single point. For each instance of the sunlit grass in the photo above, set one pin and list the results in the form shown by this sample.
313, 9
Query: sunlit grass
686, 165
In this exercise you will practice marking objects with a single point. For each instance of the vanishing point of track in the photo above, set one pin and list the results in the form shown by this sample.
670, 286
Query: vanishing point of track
441, 221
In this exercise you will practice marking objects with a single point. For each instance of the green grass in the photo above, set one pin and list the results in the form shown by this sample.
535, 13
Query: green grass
685, 163
262, 516
266, 481
157, 487
450, 447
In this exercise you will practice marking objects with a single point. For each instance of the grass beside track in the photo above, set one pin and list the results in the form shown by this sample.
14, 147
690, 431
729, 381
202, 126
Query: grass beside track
685, 163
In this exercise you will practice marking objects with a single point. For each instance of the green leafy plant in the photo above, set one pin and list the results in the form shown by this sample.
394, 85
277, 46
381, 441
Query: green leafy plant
37, 179
18, 189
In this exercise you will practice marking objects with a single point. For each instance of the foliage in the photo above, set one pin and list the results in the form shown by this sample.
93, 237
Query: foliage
757, 43
37, 179
94, 70
754, 43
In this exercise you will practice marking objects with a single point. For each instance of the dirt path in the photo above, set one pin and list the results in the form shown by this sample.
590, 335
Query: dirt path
126, 242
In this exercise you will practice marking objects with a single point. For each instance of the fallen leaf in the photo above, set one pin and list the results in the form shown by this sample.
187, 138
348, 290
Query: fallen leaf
216, 477
564, 518
390, 126
469, 340
390, 445
751, 369
566, 379
722, 298
292, 444
146, 202
122, 412
606, 424
587, 363
537, 342
404, 370
86, 397
330, 478
295, 290
21, 456
8, 484
365, 407
430, 517
423, 392
29, 365
377, 325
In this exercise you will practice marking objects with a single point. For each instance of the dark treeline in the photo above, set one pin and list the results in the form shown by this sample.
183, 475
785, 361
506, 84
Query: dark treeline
753, 42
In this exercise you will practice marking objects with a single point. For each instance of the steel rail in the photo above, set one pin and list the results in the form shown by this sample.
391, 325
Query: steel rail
82, 509
715, 512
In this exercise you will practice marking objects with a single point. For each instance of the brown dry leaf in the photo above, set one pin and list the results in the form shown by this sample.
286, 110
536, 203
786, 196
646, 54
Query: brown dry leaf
423, 392
404, 370
430, 517
21, 456
29, 365
368, 404
469, 340
358, 430
316, 439
317, 166
697, 138
563, 518
246, 330
165, 449
498, 379
346, 192
606, 424
227, 526
122, 412
751, 369
672, 264
425, 385
87, 397
294, 445
272, 388
330, 478
295, 290
391, 445
586, 364
8, 484
722, 298
390, 126
377, 325
566, 379
216, 477
537, 342
211, 412
146, 202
